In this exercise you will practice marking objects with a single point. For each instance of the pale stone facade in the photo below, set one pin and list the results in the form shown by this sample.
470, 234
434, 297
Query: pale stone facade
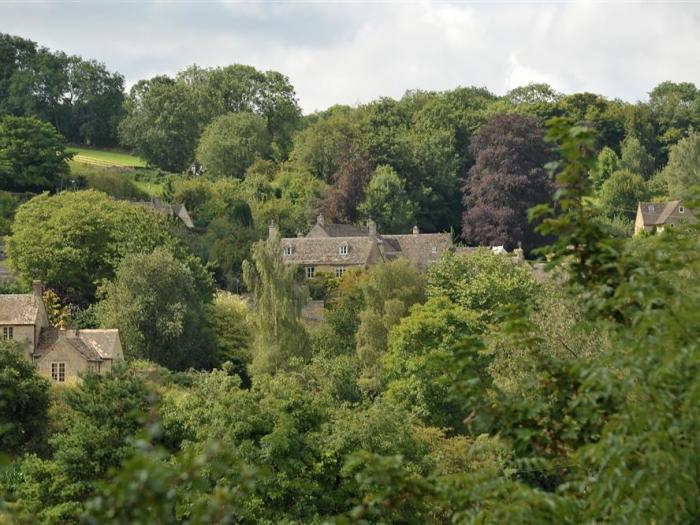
62, 356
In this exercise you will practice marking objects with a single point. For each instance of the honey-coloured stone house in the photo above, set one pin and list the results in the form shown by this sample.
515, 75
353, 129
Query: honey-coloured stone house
61, 356
336, 248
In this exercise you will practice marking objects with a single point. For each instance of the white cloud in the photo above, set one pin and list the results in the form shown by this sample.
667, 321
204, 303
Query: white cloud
353, 52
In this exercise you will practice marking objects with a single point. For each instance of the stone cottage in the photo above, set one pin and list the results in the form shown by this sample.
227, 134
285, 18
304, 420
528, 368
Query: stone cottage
59, 355
336, 248
656, 216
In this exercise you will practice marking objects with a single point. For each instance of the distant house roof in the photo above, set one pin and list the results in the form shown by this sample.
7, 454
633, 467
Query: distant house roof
327, 250
93, 345
19, 309
171, 210
348, 245
656, 215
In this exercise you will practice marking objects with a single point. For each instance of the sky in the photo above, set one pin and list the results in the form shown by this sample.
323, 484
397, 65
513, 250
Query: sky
351, 52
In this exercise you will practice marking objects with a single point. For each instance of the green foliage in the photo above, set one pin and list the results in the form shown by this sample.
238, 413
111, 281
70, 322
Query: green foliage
635, 158
278, 296
387, 203
24, 402
419, 349
682, 173
230, 143
165, 117
32, 155
621, 193
228, 320
74, 240
103, 416
481, 281
608, 163
158, 305
116, 182
8, 206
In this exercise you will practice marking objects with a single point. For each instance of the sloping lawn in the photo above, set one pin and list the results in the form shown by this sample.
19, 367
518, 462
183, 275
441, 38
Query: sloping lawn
106, 158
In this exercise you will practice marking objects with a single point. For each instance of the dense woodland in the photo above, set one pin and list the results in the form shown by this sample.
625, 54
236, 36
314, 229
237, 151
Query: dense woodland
474, 393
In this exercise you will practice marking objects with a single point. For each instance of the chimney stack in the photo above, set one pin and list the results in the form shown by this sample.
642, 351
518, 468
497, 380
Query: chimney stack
319, 220
371, 227
416, 231
38, 289
272, 230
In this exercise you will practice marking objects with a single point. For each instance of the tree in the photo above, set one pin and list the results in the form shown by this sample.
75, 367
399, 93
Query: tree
24, 402
159, 311
32, 155
506, 180
230, 143
418, 351
682, 173
635, 158
608, 162
228, 321
74, 240
321, 144
481, 282
387, 203
162, 123
278, 297
675, 107
621, 193
347, 192
102, 418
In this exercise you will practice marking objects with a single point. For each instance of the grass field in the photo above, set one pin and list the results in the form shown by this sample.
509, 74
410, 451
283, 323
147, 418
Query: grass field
106, 158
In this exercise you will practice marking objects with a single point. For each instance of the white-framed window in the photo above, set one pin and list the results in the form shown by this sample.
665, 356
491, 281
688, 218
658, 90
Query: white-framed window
434, 250
58, 372
8, 332
681, 209
339, 271
650, 207
288, 250
343, 249
310, 272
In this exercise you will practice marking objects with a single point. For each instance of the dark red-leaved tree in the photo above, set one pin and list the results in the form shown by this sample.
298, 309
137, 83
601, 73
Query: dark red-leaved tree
507, 178
348, 190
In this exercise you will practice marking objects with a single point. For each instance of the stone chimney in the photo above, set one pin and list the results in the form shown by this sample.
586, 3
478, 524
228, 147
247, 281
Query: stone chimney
272, 230
371, 227
319, 220
38, 289
416, 231
300, 235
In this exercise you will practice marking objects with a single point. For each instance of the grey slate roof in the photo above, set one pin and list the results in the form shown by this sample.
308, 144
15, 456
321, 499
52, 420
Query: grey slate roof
18, 309
93, 345
326, 250
322, 246
171, 210
660, 213
336, 230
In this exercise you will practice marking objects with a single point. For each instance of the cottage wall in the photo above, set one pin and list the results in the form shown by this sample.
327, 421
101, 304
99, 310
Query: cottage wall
63, 352
25, 336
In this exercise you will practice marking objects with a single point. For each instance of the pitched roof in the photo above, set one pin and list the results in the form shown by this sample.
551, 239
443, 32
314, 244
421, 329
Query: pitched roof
421, 249
93, 345
327, 250
318, 248
171, 210
336, 230
659, 213
18, 308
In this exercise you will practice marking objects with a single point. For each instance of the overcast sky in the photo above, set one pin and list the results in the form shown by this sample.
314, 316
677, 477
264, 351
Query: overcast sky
351, 52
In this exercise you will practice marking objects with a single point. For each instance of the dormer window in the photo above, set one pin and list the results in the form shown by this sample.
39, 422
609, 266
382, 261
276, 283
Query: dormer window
343, 249
434, 250
288, 250
650, 207
681, 209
